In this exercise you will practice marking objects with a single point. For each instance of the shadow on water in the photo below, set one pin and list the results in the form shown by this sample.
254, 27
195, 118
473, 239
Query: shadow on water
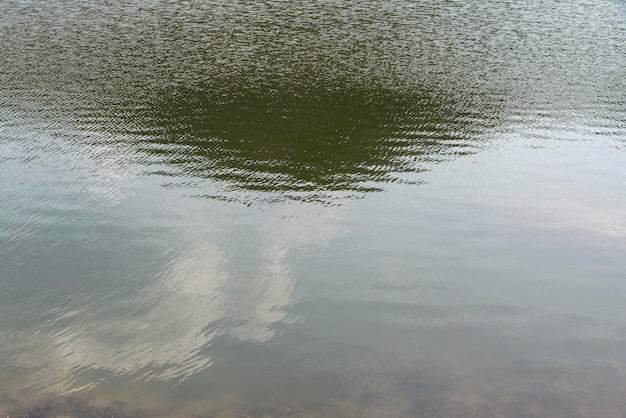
303, 143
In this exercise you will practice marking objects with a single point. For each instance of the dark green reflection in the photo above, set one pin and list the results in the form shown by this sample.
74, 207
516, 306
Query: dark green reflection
301, 101
304, 142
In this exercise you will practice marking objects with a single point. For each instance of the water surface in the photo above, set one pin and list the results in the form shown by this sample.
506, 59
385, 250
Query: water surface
326, 208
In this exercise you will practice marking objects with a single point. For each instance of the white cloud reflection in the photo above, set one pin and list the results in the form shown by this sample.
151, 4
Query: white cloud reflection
202, 281
220, 286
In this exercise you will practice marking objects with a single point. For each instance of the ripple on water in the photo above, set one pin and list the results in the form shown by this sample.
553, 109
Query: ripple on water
180, 228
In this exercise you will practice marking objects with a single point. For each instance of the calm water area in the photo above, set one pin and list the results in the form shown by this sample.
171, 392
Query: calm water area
315, 208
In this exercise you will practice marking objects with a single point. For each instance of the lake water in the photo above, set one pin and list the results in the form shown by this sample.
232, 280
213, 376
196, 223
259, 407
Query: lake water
321, 208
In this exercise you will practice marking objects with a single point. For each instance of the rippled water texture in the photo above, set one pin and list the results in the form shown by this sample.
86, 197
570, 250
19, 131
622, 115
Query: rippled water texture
314, 208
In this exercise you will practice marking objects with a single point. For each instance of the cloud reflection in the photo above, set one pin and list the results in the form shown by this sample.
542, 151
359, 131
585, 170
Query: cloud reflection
234, 283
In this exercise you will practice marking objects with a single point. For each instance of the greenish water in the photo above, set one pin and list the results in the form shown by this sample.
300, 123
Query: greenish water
315, 208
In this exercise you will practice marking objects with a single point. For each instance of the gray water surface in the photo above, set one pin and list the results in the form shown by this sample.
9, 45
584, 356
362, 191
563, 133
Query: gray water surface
315, 208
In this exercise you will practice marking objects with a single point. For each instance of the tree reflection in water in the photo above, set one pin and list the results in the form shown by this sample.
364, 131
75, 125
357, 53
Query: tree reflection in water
303, 143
